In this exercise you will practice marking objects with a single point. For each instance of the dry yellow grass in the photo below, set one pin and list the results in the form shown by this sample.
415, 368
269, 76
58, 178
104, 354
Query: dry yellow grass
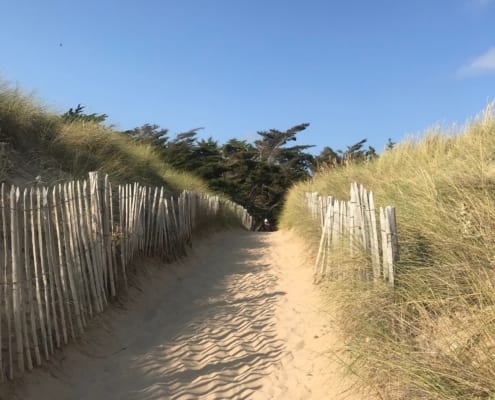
433, 336
41, 143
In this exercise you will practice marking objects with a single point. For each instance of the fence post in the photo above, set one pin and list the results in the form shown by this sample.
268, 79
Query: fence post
60, 282
387, 244
375, 252
29, 279
393, 230
321, 257
356, 219
3, 162
16, 281
58, 259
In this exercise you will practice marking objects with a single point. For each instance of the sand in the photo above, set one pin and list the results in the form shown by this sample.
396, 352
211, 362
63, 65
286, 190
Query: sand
237, 319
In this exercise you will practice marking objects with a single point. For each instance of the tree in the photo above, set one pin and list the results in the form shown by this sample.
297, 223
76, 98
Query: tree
78, 115
236, 149
207, 162
270, 146
295, 162
256, 175
261, 174
328, 158
179, 152
150, 133
390, 144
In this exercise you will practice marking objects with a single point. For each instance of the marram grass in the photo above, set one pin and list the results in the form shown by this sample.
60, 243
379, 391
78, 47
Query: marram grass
90, 146
433, 335
24, 122
55, 150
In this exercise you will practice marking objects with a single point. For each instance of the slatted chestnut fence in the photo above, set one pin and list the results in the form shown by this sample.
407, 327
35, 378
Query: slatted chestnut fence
351, 226
67, 250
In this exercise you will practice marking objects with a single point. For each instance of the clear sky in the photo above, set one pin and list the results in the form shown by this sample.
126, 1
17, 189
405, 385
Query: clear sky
353, 69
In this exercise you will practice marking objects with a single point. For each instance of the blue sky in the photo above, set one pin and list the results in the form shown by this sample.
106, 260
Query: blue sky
353, 69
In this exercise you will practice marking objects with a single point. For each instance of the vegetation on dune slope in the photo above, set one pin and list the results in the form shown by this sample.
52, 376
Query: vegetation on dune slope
433, 335
41, 143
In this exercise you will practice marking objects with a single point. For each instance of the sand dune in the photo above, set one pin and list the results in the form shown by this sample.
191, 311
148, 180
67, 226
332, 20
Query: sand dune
238, 319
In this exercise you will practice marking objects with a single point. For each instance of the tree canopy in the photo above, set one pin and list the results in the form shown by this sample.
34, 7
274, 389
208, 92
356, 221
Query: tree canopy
256, 175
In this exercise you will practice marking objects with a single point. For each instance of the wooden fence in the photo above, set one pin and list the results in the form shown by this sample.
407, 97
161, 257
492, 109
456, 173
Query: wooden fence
66, 250
351, 226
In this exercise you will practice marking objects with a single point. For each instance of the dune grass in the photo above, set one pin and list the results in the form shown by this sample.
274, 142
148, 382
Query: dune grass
42, 143
89, 146
433, 335
24, 122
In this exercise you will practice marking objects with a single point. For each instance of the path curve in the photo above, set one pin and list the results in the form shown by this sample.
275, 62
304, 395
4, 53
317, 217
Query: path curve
238, 319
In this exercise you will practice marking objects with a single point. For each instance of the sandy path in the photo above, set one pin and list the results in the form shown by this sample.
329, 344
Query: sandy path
239, 319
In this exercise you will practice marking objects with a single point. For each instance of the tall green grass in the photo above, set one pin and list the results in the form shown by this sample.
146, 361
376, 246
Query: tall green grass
433, 335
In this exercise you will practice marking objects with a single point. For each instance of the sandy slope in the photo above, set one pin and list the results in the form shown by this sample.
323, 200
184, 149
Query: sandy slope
239, 319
